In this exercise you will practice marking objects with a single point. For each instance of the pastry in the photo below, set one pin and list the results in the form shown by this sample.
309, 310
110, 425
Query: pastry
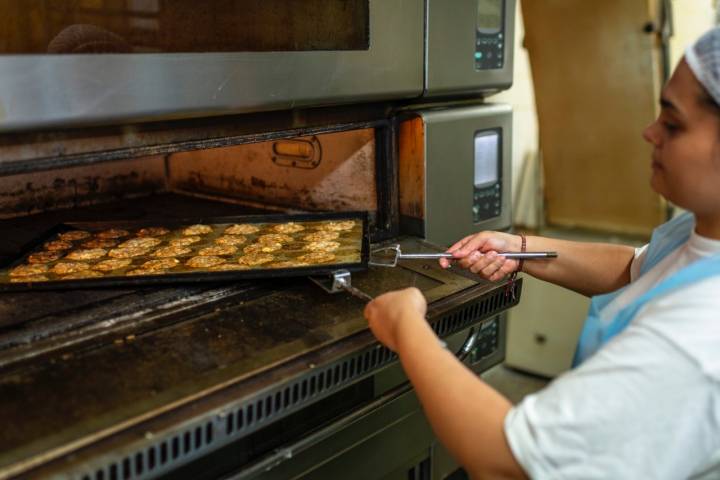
100, 243
321, 236
197, 230
142, 242
87, 254
290, 227
56, 245
262, 247
218, 250
241, 229
317, 257
204, 261
172, 251
231, 240
338, 226
28, 270
74, 235
128, 252
113, 233
112, 264
44, 257
64, 268
152, 232
254, 259
185, 241
322, 246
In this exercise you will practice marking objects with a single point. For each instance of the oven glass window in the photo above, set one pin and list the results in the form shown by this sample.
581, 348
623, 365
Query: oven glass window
489, 16
151, 26
486, 158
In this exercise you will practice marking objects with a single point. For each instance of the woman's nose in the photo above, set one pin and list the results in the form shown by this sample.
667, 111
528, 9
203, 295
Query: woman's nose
650, 134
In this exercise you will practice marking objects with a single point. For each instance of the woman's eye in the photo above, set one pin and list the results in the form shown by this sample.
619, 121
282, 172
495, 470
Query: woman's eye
670, 127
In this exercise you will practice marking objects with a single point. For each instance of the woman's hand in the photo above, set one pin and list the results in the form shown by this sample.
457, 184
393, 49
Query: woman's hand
479, 254
389, 311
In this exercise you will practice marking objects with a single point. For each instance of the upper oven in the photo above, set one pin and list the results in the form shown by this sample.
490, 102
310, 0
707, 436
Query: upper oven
110, 61
99, 62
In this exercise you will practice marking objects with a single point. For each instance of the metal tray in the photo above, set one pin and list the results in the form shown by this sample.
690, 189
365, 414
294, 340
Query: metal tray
352, 253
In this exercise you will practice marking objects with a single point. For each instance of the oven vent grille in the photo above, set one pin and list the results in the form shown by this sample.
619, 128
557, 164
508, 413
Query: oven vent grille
252, 415
169, 453
146, 463
468, 314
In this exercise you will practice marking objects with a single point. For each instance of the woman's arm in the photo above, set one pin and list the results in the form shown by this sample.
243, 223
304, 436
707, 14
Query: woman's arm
466, 414
587, 268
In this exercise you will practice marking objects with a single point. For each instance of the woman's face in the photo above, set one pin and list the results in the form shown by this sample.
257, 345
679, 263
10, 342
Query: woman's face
686, 141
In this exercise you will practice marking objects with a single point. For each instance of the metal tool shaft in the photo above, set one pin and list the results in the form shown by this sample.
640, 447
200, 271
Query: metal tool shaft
511, 255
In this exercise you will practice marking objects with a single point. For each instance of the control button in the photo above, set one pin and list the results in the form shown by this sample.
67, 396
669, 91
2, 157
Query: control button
479, 55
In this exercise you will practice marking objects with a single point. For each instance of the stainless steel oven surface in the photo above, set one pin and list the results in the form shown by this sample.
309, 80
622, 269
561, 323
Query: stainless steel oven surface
65, 63
455, 171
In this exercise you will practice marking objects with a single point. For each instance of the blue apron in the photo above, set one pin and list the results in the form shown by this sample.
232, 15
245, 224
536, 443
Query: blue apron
665, 239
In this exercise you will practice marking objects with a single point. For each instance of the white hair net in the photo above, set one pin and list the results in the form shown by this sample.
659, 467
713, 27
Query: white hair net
703, 57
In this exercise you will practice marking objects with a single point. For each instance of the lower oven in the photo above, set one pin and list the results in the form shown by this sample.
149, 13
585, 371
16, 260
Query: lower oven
249, 379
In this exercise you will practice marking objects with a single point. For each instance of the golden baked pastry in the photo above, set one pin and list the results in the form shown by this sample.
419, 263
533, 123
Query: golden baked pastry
74, 235
56, 245
197, 230
231, 240
253, 259
288, 264
262, 247
172, 251
28, 270
160, 264
321, 236
100, 243
339, 226
218, 250
82, 274
225, 267
322, 246
142, 242
290, 227
113, 233
44, 257
143, 271
241, 229
64, 268
204, 261
185, 241
112, 264
87, 254
29, 278
128, 252
152, 232
275, 238
317, 257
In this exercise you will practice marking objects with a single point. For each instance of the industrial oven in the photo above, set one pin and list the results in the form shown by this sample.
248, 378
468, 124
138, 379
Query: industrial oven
158, 112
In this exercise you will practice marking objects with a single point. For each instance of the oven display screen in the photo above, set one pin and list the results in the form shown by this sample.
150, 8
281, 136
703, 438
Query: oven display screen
486, 158
489, 16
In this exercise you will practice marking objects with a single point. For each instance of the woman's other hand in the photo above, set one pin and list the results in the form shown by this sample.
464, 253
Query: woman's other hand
388, 312
479, 254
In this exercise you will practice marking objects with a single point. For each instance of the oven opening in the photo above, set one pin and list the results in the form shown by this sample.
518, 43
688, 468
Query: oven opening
334, 171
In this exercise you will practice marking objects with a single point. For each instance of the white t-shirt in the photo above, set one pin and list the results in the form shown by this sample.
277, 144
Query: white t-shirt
647, 404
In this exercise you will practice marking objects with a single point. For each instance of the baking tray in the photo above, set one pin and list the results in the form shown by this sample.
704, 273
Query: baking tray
350, 250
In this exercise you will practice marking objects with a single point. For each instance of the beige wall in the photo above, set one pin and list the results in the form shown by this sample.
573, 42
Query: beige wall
691, 19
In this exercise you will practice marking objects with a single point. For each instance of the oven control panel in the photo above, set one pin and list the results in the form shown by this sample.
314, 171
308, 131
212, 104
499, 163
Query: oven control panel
487, 187
489, 35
